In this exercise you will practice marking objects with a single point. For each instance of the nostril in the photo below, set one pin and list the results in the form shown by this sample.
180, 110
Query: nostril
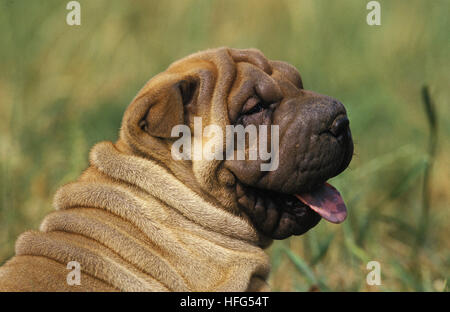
339, 126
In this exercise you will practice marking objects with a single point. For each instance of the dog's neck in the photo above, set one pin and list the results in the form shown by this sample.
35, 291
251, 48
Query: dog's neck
204, 247
155, 180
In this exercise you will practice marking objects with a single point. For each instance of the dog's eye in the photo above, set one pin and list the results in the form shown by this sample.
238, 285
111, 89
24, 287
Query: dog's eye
187, 90
253, 105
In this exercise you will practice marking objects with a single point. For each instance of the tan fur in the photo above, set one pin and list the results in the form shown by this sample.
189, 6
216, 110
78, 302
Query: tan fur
130, 238
136, 220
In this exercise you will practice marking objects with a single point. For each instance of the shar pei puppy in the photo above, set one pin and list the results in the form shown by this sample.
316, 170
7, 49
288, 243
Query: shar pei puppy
143, 217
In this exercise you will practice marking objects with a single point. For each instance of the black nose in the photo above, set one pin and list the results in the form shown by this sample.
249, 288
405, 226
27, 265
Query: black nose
339, 127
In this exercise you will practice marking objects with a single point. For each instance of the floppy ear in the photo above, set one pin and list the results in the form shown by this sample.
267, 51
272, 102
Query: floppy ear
163, 107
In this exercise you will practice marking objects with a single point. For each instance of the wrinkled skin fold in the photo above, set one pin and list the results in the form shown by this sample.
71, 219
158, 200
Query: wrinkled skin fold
138, 220
315, 142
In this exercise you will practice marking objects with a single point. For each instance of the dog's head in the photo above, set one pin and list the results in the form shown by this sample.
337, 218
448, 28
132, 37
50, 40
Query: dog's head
224, 87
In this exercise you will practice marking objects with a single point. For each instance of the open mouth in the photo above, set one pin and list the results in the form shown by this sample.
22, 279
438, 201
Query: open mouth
281, 215
326, 201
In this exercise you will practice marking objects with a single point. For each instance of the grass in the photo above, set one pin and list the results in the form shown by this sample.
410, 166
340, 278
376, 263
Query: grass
62, 89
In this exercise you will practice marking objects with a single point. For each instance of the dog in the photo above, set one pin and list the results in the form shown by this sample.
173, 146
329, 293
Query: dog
139, 220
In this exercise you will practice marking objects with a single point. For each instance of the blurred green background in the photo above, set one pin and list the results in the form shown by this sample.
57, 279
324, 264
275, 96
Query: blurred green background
64, 88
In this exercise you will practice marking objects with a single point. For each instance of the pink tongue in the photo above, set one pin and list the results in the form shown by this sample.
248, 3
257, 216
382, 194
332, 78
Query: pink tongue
327, 202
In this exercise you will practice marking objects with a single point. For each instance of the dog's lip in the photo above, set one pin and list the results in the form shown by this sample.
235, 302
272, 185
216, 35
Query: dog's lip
322, 199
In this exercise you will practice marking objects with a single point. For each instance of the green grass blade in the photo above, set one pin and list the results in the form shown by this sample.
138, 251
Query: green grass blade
322, 249
302, 267
352, 247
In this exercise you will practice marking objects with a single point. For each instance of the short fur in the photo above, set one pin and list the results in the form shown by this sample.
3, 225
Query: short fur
137, 220
132, 225
119, 222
